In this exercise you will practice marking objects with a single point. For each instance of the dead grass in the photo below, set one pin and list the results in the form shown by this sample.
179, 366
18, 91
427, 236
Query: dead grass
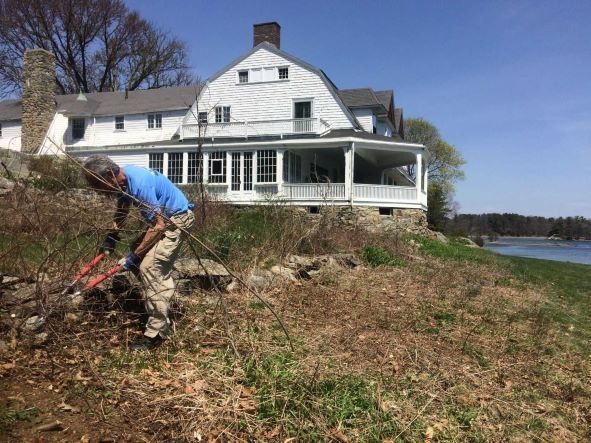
437, 350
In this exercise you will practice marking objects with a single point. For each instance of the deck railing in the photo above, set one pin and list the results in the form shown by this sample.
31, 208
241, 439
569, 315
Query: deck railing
255, 128
314, 191
318, 192
384, 193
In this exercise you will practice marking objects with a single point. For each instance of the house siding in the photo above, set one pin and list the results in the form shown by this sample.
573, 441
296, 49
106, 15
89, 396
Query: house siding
365, 118
100, 131
11, 135
270, 100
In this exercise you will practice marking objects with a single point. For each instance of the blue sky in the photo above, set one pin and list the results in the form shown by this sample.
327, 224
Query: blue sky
508, 82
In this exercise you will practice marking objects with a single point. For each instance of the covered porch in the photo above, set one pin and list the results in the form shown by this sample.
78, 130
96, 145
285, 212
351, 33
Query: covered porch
362, 173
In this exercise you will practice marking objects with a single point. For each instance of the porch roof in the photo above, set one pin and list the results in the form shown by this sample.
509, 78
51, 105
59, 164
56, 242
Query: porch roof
335, 138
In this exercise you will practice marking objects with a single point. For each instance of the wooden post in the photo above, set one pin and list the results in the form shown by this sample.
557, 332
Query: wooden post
419, 175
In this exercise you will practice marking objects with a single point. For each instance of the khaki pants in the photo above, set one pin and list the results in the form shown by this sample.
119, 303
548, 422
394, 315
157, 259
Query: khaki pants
155, 273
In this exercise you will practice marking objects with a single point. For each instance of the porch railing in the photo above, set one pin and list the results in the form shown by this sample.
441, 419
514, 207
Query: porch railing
384, 192
255, 128
314, 191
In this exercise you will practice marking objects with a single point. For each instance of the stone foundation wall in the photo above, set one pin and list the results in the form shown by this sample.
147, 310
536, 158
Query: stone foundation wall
38, 97
369, 218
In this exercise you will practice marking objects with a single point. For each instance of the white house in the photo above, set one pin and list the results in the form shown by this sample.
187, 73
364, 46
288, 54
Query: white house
267, 127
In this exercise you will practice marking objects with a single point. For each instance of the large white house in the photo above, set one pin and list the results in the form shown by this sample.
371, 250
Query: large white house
267, 127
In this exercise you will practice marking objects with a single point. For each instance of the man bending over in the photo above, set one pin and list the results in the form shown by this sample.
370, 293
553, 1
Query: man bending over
168, 214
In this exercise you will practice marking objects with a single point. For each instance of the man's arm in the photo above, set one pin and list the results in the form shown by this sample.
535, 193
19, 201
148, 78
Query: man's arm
153, 234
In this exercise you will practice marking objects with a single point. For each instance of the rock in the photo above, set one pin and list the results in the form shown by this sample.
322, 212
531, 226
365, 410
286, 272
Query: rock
259, 279
35, 323
233, 286
283, 272
7, 280
70, 317
40, 339
7, 185
205, 274
439, 236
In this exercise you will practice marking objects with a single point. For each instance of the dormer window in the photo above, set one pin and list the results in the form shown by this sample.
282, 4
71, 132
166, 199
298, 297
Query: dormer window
119, 123
154, 121
78, 128
283, 73
242, 76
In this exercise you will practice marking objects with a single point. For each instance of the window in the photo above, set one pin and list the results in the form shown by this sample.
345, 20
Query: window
302, 109
154, 121
217, 167
119, 123
302, 112
195, 166
235, 185
242, 76
78, 128
175, 167
248, 171
202, 118
256, 75
222, 114
266, 166
156, 162
283, 73
0, 129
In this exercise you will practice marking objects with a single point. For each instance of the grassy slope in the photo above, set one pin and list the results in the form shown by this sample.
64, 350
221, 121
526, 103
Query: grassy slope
459, 344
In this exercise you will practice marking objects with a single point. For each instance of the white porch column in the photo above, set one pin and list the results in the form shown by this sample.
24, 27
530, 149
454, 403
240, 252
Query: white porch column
165, 164
205, 166
348, 179
419, 175
185, 178
280, 155
229, 170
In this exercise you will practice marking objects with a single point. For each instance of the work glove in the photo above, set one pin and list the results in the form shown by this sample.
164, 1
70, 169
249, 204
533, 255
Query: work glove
130, 262
110, 242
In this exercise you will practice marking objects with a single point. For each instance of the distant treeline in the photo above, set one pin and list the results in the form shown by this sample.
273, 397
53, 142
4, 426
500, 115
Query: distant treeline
519, 226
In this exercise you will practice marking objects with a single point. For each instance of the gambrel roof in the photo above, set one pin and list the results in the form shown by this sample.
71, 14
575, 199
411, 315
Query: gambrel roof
273, 49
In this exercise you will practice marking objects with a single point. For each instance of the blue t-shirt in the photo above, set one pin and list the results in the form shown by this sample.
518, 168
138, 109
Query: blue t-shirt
153, 193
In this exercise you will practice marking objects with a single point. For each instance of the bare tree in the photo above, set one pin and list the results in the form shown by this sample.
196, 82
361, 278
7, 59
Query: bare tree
99, 45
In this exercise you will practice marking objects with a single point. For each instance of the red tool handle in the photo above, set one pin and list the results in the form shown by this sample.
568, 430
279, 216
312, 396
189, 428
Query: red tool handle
91, 264
99, 279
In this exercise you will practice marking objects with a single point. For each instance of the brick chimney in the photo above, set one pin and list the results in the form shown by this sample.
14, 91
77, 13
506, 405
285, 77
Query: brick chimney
38, 97
267, 32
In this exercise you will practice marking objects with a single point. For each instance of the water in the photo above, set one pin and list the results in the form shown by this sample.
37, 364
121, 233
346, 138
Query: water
558, 250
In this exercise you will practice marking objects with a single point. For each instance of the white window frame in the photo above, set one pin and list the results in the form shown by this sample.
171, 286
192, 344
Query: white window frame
266, 165
223, 114
243, 71
303, 100
122, 128
158, 158
217, 178
279, 68
194, 167
176, 160
155, 120
200, 120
